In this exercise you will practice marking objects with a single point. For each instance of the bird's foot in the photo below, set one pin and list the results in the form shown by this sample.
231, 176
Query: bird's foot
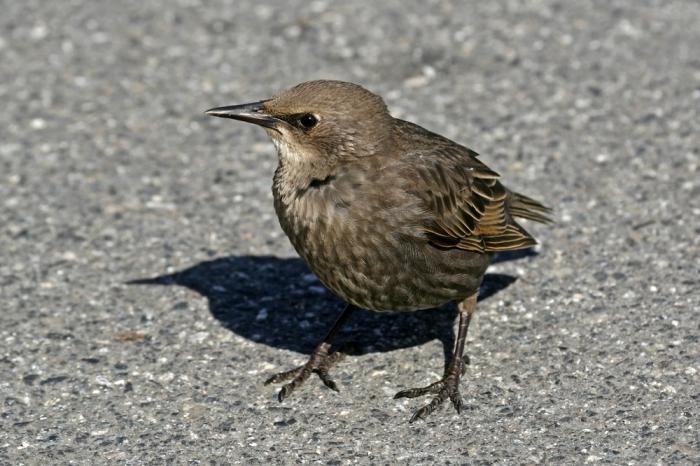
320, 363
447, 387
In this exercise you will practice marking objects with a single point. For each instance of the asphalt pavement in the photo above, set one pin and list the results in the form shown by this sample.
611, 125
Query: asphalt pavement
583, 351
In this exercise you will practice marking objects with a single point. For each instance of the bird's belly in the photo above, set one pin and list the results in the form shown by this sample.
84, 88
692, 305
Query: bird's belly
373, 269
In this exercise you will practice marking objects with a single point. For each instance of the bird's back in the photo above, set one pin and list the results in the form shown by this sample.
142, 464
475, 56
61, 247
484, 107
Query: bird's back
465, 205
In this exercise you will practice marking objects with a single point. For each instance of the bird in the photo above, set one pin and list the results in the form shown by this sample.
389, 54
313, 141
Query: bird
389, 216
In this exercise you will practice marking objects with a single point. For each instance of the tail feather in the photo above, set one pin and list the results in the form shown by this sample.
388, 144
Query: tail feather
522, 206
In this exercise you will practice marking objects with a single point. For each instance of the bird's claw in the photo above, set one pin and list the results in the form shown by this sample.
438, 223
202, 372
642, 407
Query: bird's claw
447, 387
319, 363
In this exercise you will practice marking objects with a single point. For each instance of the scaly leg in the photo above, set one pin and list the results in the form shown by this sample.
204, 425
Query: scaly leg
320, 362
448, 386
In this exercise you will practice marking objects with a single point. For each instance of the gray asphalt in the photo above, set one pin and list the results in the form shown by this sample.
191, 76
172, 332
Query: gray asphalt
585, 351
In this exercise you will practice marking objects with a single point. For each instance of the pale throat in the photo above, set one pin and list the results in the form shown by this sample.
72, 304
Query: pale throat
286, 151
297, 170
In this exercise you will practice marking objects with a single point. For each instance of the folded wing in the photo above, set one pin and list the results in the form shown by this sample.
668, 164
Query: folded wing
468, 208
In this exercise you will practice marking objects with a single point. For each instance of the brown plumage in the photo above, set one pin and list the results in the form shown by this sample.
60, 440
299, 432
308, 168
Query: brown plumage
388, 215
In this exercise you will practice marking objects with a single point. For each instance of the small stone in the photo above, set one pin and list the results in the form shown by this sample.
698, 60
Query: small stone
38, 123
166, 378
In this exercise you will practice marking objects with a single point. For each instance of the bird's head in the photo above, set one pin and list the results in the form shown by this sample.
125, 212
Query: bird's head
319, 121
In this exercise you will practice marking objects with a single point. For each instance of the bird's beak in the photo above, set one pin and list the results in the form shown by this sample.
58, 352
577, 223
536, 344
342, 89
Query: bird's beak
252, 113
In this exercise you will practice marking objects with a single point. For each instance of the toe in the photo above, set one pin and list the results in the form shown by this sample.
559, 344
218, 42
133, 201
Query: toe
284, 376
420, 414
416, 392
457, 402
409, 393
327, 381
426, 410
286, 391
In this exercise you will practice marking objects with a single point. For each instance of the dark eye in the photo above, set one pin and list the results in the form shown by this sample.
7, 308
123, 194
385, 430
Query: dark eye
307, 121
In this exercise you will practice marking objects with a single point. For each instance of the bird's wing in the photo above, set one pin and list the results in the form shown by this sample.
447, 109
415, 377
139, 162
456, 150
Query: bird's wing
465, 203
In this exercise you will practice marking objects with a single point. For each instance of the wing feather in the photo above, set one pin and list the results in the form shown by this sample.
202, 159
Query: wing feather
470, 209
465, 204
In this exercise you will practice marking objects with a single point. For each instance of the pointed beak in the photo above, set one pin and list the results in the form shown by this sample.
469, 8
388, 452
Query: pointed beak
252, 113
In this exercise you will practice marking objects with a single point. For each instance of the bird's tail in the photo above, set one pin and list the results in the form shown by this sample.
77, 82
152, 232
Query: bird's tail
522, 206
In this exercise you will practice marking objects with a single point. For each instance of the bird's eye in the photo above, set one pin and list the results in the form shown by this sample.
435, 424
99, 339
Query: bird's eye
307, 121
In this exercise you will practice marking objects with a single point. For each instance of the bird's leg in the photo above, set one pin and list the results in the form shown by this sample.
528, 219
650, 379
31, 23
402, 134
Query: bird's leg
448, 386
320, 362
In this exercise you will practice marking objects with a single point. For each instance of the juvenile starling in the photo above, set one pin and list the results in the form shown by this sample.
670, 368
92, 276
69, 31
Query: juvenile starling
389, 216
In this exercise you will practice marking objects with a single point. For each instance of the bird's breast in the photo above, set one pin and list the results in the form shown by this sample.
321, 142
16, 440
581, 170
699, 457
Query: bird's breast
356, 247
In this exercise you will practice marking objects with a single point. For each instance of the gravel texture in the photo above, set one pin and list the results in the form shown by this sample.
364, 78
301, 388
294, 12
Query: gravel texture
109, 172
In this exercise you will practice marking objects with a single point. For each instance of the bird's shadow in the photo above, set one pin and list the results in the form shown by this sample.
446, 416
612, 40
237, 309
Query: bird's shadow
280, 303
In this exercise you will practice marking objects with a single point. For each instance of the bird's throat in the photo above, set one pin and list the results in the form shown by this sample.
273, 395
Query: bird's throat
300, 171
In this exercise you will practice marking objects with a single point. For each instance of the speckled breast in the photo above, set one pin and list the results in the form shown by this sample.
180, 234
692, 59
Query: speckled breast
361, 258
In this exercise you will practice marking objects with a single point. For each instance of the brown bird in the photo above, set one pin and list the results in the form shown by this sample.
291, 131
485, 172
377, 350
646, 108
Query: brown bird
389, 216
